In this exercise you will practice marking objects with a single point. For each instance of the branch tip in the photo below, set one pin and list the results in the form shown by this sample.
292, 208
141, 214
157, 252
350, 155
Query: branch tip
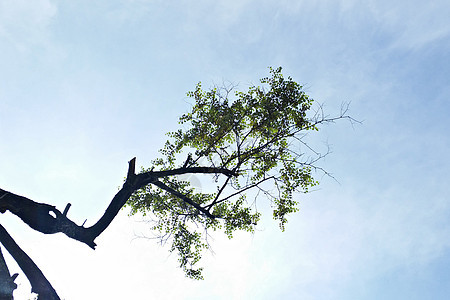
131, 168
66, 210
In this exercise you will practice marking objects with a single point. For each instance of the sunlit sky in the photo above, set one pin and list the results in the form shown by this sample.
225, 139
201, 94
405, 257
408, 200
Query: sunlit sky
87, 85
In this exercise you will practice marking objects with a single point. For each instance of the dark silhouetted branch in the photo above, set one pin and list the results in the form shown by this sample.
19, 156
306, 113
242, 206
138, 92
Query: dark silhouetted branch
47, 219
7, 285
183, 197
39, 284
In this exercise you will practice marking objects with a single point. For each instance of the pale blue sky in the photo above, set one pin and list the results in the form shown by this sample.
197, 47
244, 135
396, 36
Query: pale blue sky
87, 85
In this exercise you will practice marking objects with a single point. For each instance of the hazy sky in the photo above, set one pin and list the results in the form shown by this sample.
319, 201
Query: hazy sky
87, 85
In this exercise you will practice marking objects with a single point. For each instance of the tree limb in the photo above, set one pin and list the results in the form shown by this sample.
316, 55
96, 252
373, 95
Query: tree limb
47, 219
39, 284
43, 217
7, 284
191, 170
183, 197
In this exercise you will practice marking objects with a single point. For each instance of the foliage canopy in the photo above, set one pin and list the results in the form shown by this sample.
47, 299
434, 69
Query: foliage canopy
250, 143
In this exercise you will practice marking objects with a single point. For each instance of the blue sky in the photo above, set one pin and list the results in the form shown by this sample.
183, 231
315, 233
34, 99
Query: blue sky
85, 86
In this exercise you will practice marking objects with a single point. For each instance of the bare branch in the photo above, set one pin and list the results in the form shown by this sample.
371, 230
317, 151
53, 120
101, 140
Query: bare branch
7, 284
239, 191
183, 197
39, 284
193, 170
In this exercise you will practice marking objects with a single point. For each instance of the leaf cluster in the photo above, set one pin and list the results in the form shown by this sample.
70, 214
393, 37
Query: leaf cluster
257, 136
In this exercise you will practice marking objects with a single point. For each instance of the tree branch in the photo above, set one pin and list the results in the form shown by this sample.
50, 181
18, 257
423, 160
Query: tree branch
191, 170
39, 284
183, 197
47, 219
43, 217
7, 284
209, 206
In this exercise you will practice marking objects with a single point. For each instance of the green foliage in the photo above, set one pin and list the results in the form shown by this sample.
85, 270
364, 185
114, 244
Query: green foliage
257, 135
